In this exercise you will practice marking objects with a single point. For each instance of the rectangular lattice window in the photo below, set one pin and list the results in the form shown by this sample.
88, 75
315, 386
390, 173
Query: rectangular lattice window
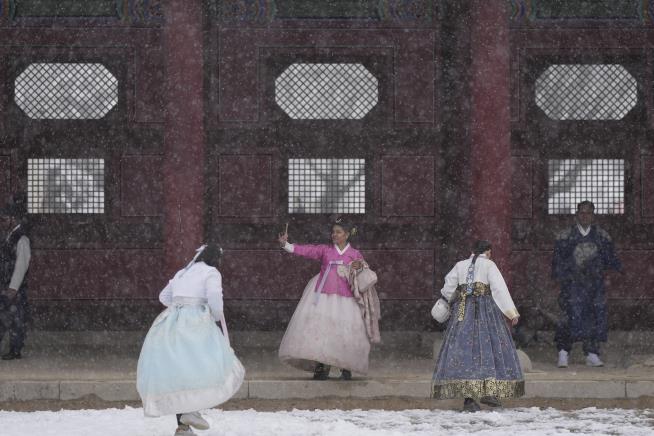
571, 181
65, 185
326, 186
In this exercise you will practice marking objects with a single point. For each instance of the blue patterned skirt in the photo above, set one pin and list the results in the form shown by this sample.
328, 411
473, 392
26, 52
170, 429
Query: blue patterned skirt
478, 357
186, 364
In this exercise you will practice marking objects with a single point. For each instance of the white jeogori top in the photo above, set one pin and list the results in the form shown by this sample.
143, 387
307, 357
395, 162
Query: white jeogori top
485, 272
198, 281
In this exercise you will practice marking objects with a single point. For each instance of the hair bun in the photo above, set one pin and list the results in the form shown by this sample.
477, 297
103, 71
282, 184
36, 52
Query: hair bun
353, 231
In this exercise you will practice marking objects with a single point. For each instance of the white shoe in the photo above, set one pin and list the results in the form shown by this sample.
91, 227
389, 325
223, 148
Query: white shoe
593, 359
195, 420
563, 359
184, 430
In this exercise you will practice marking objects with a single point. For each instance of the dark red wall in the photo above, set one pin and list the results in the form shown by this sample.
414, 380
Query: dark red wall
197, 149
536, 138
116, 255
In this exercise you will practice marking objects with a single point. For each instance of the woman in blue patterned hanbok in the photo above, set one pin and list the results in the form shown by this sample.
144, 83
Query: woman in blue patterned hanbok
478, 360
186, 363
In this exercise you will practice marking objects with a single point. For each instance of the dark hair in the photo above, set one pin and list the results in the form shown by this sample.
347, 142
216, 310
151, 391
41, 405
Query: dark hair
211, 255
586, 203
347, 226
17, 206
481, 246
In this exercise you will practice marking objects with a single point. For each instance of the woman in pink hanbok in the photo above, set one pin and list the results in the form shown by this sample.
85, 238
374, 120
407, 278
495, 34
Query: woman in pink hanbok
327, 328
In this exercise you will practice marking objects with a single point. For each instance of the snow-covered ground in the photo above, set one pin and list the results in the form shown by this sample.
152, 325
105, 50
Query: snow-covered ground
514, 422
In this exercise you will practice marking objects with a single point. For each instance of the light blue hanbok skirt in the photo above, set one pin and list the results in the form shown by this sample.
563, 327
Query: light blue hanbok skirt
186, 363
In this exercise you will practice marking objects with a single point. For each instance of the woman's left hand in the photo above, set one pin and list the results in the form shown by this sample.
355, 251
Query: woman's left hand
515, 320
357, 264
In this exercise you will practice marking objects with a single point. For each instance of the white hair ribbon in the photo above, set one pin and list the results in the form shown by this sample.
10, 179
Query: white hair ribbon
198, 252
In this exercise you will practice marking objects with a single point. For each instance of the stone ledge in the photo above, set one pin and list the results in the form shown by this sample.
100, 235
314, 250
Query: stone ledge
125, 390
7, 391
575, 389
119, 390
35, 390
640, 388
244, 391
284, 389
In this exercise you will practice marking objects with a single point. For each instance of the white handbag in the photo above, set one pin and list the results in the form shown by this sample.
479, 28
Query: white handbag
441, 311
365, 279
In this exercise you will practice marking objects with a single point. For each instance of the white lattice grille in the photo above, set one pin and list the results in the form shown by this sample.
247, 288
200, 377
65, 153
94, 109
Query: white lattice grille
66, 91
586, 92
326, 91
326, 186
571, 181
65, 185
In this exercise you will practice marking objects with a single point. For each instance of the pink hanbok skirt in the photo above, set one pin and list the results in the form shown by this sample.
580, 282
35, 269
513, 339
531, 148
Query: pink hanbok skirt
326, 328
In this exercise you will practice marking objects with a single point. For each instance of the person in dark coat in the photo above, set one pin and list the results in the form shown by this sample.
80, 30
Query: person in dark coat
582, 255
15, 257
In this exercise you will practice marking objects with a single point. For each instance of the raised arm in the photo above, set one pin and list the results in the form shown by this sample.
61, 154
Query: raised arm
309, 251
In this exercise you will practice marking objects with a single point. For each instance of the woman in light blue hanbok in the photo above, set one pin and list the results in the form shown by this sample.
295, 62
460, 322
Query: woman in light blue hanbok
186, 363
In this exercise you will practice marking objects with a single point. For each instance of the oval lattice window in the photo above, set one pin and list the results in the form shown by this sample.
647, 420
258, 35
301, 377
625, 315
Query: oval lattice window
586, 92
66, 91
326, 91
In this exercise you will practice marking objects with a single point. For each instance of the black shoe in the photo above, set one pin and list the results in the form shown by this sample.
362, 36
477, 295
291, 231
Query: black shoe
11, 355
321, 372
491, 402
470, 405
346, 375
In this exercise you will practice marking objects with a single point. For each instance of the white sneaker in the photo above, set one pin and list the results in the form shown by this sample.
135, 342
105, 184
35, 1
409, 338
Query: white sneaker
195, 420
563, 359
593, 359
184, 430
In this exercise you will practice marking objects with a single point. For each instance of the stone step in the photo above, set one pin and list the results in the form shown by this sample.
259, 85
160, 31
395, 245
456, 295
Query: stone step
125, 390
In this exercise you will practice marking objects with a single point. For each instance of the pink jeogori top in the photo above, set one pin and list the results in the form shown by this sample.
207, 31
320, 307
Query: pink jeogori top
330, 257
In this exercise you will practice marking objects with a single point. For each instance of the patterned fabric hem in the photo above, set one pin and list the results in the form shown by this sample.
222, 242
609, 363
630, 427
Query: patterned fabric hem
447, 389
